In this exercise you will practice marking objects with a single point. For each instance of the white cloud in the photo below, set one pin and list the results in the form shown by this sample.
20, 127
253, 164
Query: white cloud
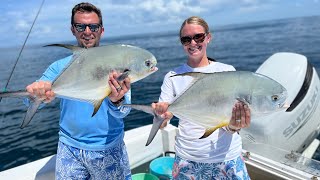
22, 25
170, 7
253, 8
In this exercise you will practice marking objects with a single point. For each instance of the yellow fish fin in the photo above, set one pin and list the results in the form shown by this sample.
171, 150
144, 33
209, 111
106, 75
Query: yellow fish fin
108, 91
98, 103
209, 131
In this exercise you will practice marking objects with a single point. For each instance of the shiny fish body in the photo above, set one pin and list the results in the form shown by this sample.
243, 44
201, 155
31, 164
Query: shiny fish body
209, 101
86, 77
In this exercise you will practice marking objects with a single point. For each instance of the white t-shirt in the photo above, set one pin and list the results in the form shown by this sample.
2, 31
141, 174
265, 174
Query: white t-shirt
220, 145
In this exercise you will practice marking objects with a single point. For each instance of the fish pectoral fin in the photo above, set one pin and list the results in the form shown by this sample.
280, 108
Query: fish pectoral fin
33, 107
157, 121
246, 100
96, 105
124, 75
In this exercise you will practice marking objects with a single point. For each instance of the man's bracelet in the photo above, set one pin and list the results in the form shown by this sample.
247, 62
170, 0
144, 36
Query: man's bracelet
119, 102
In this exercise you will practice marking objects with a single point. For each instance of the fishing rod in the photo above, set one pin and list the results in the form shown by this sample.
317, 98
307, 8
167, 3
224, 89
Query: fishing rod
24, 43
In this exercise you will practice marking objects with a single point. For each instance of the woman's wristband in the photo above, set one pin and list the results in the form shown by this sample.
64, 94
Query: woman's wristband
231, 130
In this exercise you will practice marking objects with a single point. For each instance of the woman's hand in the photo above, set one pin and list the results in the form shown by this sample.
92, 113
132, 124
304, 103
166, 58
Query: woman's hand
241, 116
160, 108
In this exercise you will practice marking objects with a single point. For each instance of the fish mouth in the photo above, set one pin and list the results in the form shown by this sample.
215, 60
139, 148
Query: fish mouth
286, 105
153, 69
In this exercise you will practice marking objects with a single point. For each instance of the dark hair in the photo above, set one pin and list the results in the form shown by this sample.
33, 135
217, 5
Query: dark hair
86, 7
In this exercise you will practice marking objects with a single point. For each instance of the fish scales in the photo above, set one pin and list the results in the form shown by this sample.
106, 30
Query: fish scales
86, 77
86, 80
210, 99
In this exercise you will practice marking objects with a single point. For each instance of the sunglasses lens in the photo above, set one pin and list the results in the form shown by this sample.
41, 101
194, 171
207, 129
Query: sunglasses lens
82, 27
199, 38
185, 40
94, 27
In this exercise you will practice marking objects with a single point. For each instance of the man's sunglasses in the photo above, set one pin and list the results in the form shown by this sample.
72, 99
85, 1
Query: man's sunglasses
82, 27
198, 38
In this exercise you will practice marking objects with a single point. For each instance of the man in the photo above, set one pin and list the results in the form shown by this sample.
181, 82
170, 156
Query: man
89, 147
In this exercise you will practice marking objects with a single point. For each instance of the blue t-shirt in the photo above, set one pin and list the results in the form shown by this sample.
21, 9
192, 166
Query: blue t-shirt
77, 127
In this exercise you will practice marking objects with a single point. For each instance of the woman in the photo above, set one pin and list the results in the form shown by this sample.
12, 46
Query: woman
219, 155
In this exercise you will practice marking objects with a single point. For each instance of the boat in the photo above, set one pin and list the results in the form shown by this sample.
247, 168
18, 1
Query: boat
277, 146
140, 156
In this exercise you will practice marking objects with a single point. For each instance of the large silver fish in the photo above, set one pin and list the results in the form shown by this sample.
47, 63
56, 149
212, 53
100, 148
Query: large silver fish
86, 77
209, 99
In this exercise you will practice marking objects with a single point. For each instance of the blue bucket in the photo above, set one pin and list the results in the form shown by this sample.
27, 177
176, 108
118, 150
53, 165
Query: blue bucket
162, 167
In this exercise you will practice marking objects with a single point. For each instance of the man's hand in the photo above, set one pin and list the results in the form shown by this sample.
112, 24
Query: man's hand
118, 89
41, 90
160, 109
241, 116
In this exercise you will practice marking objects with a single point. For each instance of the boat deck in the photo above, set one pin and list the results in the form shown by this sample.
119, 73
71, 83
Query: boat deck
140, 156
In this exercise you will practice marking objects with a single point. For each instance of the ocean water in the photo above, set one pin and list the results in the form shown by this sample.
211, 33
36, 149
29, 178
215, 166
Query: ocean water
245, 46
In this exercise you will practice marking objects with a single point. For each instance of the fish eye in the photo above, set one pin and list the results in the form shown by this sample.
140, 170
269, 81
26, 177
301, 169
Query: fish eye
147, 63
274, 97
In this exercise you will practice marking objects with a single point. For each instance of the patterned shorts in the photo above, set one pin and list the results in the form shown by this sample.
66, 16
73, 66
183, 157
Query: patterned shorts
74, 163
190, 170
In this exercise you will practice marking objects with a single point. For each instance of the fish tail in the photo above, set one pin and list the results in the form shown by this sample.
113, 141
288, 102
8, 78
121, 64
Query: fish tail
34, 104
32, 109
145, 108
157, 120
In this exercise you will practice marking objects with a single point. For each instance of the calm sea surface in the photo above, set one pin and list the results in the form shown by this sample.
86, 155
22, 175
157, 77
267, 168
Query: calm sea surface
244, 46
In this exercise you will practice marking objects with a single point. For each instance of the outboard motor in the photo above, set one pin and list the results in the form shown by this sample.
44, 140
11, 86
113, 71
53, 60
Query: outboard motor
295, 128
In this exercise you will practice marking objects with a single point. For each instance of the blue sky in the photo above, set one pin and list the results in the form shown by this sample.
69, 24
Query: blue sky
127, 17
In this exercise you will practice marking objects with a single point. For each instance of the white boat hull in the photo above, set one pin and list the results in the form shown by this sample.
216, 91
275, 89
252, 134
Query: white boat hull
258, 166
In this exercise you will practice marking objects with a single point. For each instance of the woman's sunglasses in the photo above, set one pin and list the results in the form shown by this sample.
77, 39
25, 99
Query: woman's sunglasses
198, 38
82, 27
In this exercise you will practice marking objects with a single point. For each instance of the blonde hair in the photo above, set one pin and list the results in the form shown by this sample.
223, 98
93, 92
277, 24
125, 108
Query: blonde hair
197, 21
